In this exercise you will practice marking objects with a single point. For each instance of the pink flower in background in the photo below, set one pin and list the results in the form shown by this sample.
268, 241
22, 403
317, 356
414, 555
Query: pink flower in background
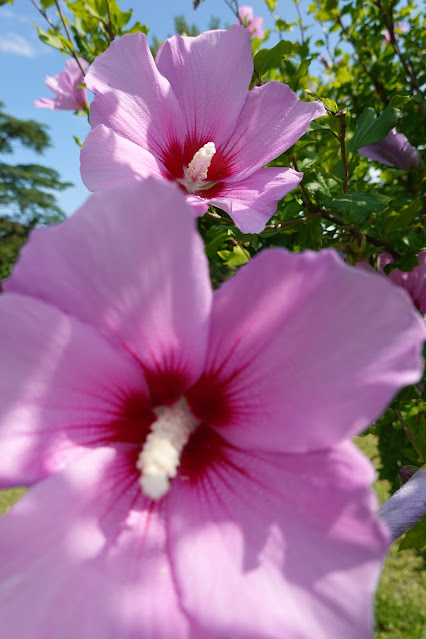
393, 150
399, 28
187, 452
414, 282
254, 25
188, 117
65, 85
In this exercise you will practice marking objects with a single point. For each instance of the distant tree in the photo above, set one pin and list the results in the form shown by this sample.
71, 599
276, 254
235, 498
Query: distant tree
26, 190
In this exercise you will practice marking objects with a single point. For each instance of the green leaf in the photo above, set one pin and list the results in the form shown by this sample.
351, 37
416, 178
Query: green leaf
301, 71
237, 257
267, 59
47, 3
371, 129
415, 538
357, 206
310, 235
405, 263
407, 215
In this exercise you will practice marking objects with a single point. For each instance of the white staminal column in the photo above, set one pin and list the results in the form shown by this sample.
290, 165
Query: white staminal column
196, 172
160, 455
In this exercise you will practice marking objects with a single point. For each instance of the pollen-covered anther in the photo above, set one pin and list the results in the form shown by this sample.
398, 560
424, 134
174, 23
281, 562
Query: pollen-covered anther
160, 455
196, 172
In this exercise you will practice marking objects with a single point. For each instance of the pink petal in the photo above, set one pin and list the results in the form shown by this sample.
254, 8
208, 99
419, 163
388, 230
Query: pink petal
414, 282
271, 121
45, 103
62, 388
313, 356
253, 201
83, 555
113, 265
120, 161
133, 98
209, 75
278, 545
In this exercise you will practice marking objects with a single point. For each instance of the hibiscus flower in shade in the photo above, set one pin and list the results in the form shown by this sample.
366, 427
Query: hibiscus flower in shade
187, 452
189, 117
414, 282
254, 24
393, 150
69, 95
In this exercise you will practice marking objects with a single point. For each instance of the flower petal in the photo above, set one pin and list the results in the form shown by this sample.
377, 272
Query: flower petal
278, 545
132, 98
120, 162
414, 282
83, 555
113, 265
312, 357
62, 388
253, 201
210, 90
271, 121
407, 506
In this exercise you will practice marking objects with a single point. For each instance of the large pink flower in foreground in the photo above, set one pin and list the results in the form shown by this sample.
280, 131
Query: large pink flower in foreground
414, 282
187, 451
189, 117
69, 96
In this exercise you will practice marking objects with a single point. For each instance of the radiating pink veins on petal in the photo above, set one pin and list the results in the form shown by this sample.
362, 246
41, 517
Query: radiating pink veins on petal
120, 162
271, 121
273, 545
209, 76
314, 355
252, 201
83, 554
133, 99
63, 388
112, 265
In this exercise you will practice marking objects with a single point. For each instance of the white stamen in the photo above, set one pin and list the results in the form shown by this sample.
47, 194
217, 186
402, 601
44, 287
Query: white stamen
160, 455
197, 169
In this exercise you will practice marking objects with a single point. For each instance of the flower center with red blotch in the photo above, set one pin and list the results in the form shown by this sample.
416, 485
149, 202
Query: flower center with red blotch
198, 167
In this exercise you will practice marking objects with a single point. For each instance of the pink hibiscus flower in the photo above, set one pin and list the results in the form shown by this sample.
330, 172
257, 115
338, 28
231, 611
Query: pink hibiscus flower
187, 456
254, 25
65, 84
414, 282
189, 117
393, 150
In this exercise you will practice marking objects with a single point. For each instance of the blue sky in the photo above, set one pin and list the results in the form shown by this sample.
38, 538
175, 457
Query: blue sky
25, 61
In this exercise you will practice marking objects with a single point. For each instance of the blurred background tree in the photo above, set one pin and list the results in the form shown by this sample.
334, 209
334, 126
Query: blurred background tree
27, 191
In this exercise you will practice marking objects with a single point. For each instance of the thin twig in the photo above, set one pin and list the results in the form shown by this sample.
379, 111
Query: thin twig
298, 220
44, 14
109, 24
407, 432
74, 52
233, 5
341, 115
301, 27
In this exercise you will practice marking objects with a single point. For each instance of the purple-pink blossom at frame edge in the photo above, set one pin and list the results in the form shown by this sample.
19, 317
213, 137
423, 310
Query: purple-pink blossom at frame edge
414, 282
188, 117
69, 96
393, 150
254, 24
268, 527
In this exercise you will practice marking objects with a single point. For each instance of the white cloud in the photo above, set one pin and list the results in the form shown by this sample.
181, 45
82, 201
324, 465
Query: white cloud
17, 44
8, 13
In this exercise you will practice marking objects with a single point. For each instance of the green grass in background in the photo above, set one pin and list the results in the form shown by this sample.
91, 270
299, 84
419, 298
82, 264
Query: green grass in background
401, 598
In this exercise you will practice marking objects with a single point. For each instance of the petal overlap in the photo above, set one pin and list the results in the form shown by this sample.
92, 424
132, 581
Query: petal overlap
156, 298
